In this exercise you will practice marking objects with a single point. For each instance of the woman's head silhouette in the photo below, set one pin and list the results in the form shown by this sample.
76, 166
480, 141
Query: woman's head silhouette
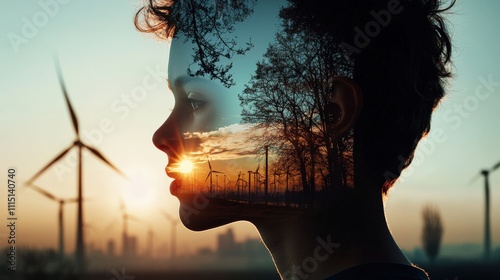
298, 117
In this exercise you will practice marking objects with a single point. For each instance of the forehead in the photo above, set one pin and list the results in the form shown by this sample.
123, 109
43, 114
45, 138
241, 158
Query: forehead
199, 35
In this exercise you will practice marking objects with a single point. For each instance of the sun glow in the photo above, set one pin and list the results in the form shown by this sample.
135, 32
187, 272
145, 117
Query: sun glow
185, 166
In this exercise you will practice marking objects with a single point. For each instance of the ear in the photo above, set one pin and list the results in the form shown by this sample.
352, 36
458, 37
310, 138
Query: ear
345, 105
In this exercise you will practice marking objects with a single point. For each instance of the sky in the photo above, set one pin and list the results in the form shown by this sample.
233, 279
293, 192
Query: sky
105, 63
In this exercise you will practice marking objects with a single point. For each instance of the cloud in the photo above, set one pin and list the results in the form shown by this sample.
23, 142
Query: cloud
229, 142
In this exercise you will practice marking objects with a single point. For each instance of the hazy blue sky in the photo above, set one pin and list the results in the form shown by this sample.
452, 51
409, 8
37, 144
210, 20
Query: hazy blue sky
104, 58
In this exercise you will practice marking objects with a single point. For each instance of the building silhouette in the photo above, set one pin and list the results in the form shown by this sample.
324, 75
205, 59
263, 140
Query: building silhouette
227, 246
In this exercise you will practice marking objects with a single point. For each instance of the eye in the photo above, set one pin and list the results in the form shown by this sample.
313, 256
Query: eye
196, 103
196, 99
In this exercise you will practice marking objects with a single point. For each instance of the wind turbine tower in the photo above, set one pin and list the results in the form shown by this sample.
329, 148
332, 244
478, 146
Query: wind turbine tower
80, 249
487, 223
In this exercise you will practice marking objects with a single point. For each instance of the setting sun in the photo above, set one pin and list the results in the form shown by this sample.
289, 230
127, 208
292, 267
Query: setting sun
185, 166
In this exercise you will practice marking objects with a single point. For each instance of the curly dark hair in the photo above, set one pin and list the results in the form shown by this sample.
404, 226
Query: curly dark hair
411, 61
402, 71
156, 17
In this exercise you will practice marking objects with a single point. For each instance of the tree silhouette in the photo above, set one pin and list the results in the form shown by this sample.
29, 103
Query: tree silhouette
432, 232
289, 98
209, 27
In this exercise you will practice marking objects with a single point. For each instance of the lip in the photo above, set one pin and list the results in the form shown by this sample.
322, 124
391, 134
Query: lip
170, 170
176, 183
175, 187
171, 174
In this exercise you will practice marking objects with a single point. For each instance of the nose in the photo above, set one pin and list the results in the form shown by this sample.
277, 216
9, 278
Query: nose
168, 138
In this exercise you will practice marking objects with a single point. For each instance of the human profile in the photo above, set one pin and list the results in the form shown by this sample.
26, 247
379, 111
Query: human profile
299, 116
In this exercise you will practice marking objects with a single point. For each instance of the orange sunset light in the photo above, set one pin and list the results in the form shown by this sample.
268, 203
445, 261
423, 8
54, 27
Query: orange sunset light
185, 166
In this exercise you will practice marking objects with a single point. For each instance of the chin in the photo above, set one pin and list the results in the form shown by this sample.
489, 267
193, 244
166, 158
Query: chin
198, 212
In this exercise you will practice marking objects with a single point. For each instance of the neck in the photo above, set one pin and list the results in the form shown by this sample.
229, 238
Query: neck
304, 248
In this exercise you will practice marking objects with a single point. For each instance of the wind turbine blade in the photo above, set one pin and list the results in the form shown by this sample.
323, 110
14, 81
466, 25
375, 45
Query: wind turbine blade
474, 179
99, 155
68, 103
495, 167
58, 157
257, 170
208, 176
219, 172
43, 192
209, 165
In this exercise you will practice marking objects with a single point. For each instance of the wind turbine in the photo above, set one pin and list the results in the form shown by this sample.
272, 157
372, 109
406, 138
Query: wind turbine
210, 174
125, 218
256, 178
173, 224
249, 183
487, 229
227, 185
267, 175
240, 186
276, 187
279, 179
80, 249
61, 202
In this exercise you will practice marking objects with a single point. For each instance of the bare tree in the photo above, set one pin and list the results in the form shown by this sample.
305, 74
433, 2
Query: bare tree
289, 96
209, 27
432, 232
